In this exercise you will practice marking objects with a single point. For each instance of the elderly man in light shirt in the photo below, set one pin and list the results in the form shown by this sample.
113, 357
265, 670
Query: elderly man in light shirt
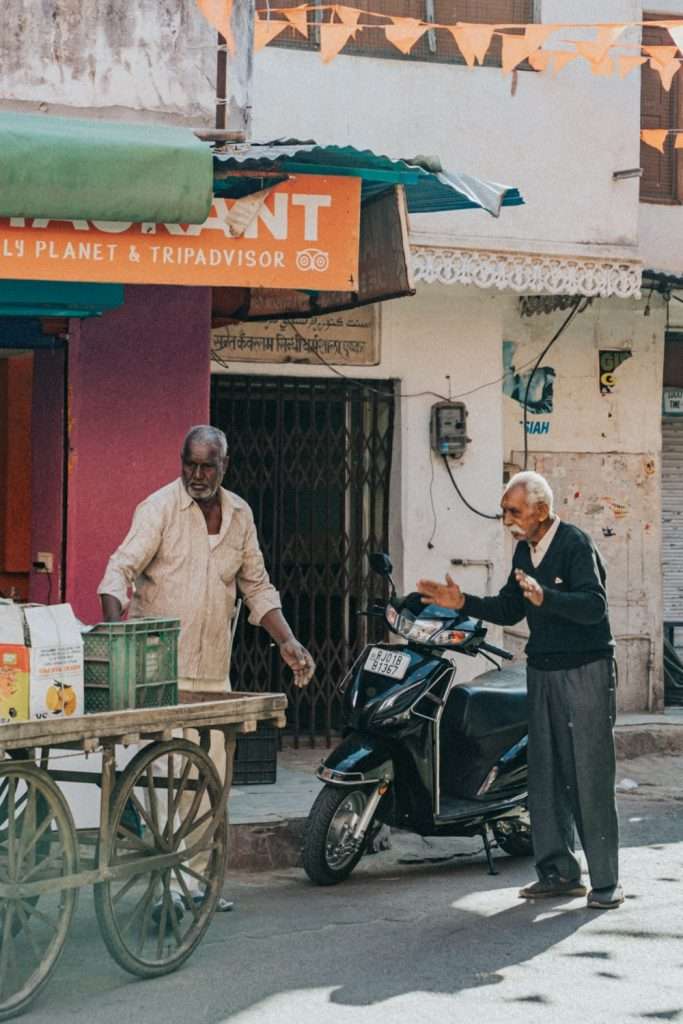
191, 546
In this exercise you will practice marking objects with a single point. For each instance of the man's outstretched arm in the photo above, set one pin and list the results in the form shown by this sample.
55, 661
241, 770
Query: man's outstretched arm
505, 609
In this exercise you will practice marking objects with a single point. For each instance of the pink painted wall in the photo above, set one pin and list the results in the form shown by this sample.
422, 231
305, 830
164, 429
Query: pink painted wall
139, 377
47, 494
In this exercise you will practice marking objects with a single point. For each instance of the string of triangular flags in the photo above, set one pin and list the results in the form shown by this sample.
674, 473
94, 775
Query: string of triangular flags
606, 53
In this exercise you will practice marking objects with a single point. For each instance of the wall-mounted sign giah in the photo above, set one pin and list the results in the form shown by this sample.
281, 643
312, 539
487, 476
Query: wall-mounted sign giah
348, 338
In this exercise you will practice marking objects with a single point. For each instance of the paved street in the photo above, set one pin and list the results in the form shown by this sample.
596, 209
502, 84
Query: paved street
422, 942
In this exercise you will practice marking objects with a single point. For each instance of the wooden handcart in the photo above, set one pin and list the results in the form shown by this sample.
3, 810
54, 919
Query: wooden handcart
166, 807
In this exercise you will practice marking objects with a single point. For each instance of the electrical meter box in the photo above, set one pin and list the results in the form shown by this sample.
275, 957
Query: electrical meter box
448, 428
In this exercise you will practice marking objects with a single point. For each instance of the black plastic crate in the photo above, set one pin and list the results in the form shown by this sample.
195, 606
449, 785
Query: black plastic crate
256, 757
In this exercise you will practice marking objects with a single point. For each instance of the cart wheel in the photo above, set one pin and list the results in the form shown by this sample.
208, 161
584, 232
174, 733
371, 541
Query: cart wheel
167, 802
37, 844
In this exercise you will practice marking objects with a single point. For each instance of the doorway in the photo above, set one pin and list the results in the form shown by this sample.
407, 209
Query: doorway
313, 459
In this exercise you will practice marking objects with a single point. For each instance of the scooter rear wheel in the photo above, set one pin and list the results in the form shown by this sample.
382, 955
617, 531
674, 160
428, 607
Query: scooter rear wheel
329, 856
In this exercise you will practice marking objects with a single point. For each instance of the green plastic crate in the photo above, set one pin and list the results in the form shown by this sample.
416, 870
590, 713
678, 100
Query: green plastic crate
131, 664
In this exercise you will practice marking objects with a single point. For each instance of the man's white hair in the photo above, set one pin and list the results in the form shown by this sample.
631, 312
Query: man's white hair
537, 488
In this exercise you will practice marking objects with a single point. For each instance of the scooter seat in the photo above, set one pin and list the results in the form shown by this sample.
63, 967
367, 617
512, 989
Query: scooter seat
478, 711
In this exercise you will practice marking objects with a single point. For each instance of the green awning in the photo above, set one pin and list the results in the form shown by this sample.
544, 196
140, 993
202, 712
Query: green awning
56, 298
70, 169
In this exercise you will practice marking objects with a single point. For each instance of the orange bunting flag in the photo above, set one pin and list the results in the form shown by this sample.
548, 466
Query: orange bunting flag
333, 39
298, 19
218, 13
661, 55
678, 142
515, 50
602, 68
561, 58
347, 15
595, 51
518, 48
663, 61
405, 32
473, 41
627, 64
266, 31
540, 60
655, 137
667, 72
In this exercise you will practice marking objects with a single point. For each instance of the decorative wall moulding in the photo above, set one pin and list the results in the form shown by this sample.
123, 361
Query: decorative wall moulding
527, 272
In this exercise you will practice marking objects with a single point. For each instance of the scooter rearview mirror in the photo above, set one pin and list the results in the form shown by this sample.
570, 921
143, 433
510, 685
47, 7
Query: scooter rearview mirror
381, 563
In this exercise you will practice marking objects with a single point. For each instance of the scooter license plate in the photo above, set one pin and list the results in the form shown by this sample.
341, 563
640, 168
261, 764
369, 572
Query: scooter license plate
387, 663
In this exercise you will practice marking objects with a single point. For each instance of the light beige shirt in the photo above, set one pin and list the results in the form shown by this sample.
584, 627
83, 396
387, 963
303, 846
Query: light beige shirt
168, 561
537, 553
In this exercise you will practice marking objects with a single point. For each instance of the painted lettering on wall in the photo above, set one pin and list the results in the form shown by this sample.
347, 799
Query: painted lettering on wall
540, 392
537, 426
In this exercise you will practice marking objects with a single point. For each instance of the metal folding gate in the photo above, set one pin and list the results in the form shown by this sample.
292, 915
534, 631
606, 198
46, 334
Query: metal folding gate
672, 558
313, 459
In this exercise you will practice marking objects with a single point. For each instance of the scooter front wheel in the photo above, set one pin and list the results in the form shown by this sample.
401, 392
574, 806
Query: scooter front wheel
330, 851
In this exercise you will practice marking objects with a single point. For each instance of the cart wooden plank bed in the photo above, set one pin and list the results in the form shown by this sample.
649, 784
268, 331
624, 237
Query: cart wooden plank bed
159, 817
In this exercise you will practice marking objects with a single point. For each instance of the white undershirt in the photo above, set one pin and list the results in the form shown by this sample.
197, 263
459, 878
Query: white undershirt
538, 551
213, 540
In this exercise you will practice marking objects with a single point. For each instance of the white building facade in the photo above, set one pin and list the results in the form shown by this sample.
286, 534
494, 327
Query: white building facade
469, 331
476, 325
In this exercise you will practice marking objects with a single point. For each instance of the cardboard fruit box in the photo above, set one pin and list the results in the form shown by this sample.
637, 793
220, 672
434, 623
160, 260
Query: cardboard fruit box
14, 665
56, 662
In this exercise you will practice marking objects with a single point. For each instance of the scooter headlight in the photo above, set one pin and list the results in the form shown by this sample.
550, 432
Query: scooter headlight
423, 630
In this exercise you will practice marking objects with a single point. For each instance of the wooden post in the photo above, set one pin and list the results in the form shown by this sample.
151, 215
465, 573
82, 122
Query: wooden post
234, 71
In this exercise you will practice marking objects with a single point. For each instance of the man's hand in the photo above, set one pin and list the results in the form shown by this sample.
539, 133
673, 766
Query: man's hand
531, 588
111, 608
448, 594
299, 660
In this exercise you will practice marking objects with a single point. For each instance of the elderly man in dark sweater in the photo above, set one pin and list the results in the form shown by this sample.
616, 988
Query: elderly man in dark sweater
558, 583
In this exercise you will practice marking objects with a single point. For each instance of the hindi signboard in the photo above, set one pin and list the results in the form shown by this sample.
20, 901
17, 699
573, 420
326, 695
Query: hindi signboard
304, 236
349, 338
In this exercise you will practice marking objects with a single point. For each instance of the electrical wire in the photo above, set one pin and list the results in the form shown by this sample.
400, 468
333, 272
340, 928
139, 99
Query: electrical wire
225, 364
567, 320
430, 543
414, 394
484, 515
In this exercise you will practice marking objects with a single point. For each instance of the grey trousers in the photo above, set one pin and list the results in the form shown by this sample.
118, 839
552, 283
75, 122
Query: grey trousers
572, 771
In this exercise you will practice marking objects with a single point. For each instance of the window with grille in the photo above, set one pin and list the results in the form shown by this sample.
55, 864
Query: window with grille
436, 45
662, 180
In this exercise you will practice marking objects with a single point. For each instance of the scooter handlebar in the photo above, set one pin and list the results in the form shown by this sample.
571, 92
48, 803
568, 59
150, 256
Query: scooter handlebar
491, 649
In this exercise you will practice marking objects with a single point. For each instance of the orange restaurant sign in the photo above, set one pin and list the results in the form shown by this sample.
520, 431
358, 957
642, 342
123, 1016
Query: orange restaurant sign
306, 235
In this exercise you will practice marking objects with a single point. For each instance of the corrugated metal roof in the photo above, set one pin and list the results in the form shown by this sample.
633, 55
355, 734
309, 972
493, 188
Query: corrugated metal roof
429, 188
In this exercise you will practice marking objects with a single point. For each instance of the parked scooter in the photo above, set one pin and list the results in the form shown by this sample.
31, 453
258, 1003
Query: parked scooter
418, 752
